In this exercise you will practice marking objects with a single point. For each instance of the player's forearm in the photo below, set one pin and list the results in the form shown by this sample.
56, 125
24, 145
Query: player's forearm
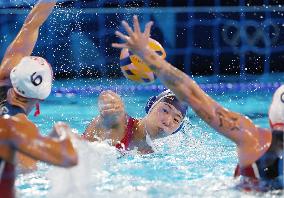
67, 155
53, 151
180, 83
59, 153
185, 88
25, 41
39, 13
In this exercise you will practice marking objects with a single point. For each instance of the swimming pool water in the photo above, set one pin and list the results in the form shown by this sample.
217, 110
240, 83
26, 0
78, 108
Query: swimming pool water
197, 162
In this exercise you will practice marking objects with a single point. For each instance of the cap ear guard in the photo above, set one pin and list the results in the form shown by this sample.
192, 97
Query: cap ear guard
179, 128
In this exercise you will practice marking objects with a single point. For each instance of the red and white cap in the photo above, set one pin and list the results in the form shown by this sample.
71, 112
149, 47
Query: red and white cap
276, 110
32, 77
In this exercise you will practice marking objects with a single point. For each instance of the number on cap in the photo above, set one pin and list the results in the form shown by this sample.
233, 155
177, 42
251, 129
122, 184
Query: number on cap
36, 79
282, 97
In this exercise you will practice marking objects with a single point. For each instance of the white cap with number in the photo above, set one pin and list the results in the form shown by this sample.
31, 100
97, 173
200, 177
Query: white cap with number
32, 77
276, 110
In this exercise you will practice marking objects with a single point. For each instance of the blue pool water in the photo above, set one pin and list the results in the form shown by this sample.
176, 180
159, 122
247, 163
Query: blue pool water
196, 163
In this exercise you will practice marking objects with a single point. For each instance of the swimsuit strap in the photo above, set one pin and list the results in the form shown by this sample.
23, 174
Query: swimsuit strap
124, 143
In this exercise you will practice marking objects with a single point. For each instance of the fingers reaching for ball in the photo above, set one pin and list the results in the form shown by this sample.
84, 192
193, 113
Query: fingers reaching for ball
136, 41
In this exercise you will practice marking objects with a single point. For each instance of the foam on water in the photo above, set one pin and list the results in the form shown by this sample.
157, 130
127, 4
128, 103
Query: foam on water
93, 176
94, 159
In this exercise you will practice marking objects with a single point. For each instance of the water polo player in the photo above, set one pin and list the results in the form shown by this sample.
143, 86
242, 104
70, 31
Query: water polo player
165, 115
24, 81
260, 151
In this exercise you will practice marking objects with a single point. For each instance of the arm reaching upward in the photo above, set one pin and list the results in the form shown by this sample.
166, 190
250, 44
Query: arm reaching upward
236, 127
25, 41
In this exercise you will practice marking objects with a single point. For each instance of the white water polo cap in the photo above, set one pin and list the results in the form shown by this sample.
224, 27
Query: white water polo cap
32, 78
276, 110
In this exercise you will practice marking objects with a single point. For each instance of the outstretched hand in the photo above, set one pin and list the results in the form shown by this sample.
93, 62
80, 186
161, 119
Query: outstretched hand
136, 41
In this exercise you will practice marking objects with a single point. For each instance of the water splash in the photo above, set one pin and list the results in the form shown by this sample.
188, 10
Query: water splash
94, 159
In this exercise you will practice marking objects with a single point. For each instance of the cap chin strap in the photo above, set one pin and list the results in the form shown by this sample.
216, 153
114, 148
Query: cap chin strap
277, 124
37, 112
179, 128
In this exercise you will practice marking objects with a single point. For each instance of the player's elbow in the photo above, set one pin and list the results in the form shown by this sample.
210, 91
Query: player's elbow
71, 160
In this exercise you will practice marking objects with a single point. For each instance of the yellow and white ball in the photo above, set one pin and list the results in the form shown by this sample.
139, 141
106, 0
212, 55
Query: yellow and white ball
135, 69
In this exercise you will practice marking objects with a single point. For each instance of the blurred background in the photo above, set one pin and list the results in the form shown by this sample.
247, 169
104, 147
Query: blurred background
216, 37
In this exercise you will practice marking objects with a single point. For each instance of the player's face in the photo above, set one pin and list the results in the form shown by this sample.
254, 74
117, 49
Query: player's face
166, 119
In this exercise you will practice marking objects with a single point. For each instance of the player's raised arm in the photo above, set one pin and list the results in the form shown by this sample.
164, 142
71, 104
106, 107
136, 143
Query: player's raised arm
232, 125
25, 41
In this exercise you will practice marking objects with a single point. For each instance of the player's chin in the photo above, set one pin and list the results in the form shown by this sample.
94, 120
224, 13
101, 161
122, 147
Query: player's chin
167, 131
162, 133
